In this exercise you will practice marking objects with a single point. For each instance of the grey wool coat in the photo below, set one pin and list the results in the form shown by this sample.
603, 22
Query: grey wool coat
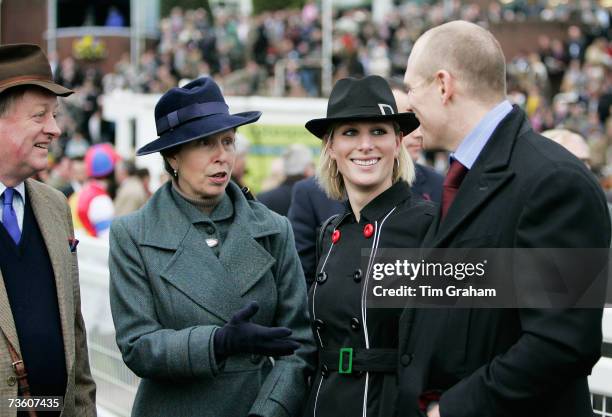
169, 293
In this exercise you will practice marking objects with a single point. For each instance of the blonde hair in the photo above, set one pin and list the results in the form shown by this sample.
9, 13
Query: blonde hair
330, 179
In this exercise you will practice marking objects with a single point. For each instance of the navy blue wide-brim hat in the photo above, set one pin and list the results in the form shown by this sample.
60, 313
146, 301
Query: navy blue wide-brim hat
192, 112
368, 98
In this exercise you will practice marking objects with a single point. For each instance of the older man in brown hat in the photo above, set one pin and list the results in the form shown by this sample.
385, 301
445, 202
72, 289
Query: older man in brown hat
43, 351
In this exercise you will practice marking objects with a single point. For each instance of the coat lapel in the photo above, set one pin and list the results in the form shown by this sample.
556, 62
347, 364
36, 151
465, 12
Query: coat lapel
238, 247
222, 281
430, 236
193, 268
474, 193
54, 231
488, 175
241, 244
209, 289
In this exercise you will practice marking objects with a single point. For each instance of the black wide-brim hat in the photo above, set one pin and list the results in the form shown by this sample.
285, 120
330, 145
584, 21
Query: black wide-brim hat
192, 112
369, 98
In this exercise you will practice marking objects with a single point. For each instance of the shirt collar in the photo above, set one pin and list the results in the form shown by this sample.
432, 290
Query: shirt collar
471, 146
20, 188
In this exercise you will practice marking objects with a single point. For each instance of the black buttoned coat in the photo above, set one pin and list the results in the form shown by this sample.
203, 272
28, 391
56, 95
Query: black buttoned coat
339, 309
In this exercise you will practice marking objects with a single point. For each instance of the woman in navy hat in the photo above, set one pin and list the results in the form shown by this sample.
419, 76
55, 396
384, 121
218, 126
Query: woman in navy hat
206, 285
363, 161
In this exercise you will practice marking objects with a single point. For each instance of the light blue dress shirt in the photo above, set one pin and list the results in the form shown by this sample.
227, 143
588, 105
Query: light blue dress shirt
475, 141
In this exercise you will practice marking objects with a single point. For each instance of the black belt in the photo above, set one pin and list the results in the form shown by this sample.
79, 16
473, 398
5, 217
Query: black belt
347, 360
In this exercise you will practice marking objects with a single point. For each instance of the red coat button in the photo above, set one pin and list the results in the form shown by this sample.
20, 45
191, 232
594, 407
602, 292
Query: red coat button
336, 236
368, 230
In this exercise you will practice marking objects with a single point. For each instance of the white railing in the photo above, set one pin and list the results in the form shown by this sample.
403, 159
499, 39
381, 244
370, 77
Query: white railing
117, 384
600, 381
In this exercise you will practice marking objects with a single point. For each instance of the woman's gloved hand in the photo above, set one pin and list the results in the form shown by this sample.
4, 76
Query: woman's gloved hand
242, 336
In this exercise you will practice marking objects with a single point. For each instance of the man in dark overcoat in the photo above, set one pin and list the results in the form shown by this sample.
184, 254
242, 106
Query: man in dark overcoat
507, 187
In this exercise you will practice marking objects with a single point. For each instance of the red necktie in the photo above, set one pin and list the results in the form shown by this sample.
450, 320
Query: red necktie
451, 184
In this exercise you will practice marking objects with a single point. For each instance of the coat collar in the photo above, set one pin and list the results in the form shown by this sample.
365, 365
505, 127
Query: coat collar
243, 260
223, 211
380, 205
164, 229
490, 172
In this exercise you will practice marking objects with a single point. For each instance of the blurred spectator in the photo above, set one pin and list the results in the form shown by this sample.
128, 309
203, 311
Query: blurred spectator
597, 53
114, 18
60, 174
297, 165
572, 142
248, 81
276, 175
578, 147
77, 145
242, 150
94, 204
576, 43
144, 176
427, 183
555, 59
69, 73
99, 129
78, 176
133, 188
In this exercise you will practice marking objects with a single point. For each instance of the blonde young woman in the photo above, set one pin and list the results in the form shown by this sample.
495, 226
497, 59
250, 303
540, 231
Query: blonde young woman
363, 161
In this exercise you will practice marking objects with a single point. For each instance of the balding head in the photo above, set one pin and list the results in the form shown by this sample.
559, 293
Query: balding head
468, 52
571, 141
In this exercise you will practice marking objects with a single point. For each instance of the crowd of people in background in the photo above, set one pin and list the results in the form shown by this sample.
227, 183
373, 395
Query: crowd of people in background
245, 53
566, 83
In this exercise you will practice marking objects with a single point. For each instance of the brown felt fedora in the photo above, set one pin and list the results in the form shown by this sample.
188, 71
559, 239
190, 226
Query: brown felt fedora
25, 64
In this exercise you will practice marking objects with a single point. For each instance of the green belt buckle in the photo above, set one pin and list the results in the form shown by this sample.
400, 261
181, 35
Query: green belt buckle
349, 368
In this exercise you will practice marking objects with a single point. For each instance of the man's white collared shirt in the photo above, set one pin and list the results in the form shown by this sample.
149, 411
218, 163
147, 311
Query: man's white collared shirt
18, 202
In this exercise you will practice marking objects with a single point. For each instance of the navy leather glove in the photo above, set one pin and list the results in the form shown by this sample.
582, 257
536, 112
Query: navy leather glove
242, 336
